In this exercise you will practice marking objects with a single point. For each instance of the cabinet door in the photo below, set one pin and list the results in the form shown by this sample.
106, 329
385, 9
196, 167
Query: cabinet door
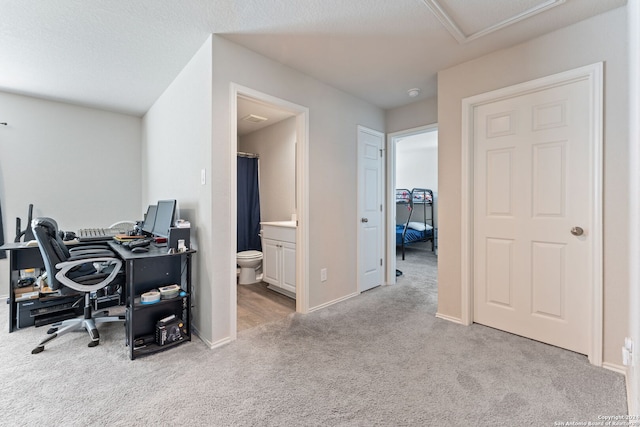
288, 267
271, 262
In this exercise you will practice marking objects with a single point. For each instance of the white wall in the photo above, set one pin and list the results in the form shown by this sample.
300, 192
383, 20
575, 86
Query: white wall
417, 167
334, 116
80, 166
417, 161
602, 38
276, 147
176, 147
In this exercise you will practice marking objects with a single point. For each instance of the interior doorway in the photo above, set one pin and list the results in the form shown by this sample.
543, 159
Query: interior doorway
412, 189
286, 125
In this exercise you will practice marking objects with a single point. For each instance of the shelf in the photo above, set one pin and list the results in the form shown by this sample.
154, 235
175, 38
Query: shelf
154, 348
137, 305
144, 273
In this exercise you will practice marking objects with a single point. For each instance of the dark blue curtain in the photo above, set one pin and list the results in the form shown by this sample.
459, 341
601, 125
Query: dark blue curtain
248, 205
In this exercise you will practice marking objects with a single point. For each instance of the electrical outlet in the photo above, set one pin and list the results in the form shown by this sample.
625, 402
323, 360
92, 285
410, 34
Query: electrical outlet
626, 357
627, 352
323, 275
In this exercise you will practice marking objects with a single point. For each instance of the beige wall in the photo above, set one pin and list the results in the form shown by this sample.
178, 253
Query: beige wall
412, 115
276, 146
189, 128
602, 38
334, 116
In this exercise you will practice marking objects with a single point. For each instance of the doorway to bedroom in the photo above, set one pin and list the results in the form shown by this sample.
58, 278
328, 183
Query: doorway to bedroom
413, 215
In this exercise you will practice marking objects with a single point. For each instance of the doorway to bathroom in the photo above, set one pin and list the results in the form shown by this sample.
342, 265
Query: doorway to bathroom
270, 169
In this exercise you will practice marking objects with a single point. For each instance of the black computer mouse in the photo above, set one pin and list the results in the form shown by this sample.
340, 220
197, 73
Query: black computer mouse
140, 249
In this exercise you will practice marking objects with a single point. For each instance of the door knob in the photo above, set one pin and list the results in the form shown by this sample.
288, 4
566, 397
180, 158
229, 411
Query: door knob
577, 231
364, 220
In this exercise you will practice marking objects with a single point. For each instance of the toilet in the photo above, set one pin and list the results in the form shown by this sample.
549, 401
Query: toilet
250, 263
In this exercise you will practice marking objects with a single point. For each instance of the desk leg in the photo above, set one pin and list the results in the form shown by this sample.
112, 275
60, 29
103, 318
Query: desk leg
13, 277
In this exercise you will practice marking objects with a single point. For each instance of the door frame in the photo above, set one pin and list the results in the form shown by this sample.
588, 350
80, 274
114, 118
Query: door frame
302, 194
392, 140
633, 372
365, 129
594, 75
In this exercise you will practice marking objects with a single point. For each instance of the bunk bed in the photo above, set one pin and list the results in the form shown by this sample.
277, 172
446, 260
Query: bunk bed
415, 231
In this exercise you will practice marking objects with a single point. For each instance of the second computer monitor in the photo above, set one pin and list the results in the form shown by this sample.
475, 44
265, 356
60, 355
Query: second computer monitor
149, 219
165, 215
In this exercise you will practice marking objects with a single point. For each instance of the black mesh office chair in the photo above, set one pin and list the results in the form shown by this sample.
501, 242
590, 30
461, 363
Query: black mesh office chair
76, 270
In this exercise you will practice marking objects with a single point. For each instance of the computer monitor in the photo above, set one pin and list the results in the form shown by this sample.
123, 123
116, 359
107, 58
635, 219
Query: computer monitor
149, 219
164, 217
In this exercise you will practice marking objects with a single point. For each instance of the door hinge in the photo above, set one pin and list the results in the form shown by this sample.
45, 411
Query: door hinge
380, 208
380, 262
381, 150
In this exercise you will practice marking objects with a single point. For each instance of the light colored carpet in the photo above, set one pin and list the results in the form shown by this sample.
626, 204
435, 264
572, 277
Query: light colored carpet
380, 359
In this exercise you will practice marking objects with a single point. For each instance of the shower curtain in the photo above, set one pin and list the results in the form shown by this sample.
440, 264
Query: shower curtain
248, 228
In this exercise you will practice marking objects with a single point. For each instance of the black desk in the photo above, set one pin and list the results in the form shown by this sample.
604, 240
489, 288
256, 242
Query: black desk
22, 257
144, 271
150, 270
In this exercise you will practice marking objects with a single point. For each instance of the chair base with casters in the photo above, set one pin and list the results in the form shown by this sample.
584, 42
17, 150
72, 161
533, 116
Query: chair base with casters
77, 271
88, 322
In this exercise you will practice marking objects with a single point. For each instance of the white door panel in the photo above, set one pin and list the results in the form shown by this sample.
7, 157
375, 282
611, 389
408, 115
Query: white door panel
370, 218
270, 262
531, 186
289, 267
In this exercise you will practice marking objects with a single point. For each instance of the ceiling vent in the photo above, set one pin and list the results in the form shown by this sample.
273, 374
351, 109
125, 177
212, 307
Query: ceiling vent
254, 119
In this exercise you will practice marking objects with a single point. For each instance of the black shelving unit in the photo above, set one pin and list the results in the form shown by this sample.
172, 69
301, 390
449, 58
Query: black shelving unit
147, 271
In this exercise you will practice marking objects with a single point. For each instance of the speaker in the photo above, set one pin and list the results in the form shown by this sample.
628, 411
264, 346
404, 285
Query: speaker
176, 234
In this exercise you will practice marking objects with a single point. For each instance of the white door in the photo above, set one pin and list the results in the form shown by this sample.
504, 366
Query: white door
370, 189
533, 227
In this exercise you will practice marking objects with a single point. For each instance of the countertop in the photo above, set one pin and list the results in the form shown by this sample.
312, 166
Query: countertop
289, 224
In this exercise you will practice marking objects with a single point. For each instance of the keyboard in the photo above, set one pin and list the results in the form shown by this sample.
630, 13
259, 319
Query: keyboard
98, 234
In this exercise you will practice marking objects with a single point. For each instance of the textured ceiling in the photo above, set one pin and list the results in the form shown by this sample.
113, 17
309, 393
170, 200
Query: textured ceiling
121, 55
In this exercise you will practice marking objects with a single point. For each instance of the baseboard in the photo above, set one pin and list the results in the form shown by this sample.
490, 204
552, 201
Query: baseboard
335, 301
208, 343
631, 407
449, 318
615, 368
633, 402
622, 371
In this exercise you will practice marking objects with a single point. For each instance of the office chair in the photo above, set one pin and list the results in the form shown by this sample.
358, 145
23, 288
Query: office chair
75, 269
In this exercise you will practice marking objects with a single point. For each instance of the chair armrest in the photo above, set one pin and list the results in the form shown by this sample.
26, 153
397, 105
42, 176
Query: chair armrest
91, 253
81, 248
66, 266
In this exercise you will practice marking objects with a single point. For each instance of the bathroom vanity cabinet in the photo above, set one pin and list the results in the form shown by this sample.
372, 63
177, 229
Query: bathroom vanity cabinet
279, 256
